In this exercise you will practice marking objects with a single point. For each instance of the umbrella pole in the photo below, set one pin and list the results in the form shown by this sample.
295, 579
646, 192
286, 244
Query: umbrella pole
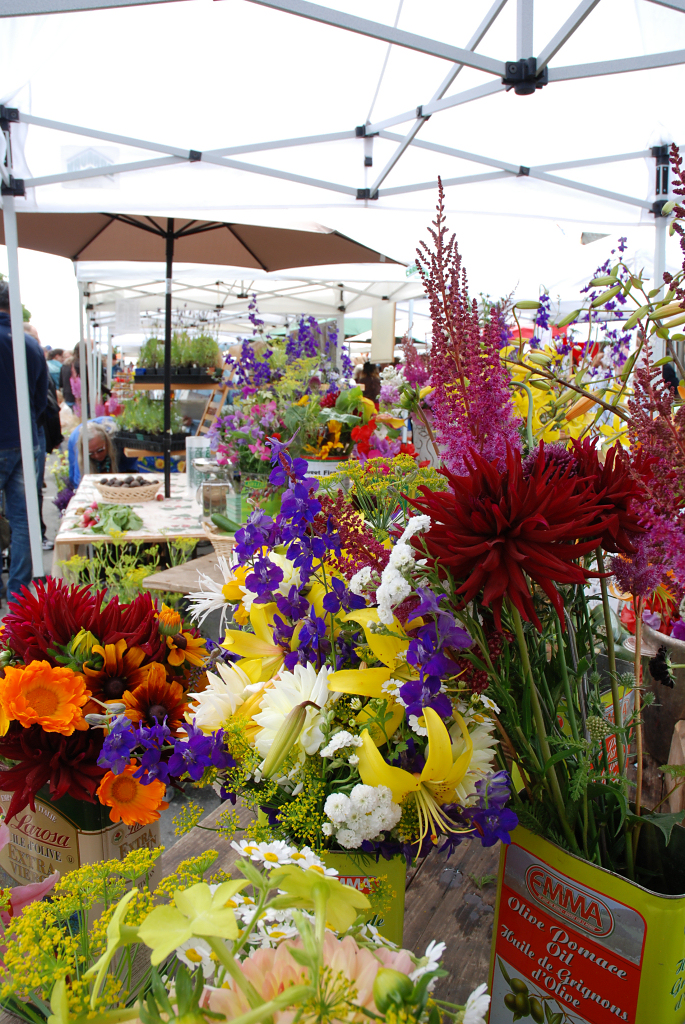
83, 374
167, 356
22, 387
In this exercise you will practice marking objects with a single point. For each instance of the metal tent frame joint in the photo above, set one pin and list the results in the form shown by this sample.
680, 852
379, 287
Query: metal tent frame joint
523, 172
658, 207
366, 193
194, 156
13, 187
522, 76
8, 114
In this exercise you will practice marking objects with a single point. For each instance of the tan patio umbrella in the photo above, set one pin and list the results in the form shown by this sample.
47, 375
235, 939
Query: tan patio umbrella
118, 236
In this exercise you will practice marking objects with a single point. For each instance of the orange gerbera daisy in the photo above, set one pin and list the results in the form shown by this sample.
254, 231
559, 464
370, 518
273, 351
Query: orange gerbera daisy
131, 801
156, 699
184, 647
39, 694
119, 671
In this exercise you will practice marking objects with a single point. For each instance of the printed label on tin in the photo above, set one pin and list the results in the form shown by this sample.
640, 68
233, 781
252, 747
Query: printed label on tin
40, 843
564, 953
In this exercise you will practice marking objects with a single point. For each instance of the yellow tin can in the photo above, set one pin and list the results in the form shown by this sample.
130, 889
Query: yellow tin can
574, 943
383, 881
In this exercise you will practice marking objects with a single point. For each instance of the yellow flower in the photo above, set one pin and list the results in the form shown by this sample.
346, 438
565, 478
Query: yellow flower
303, 401
232, 588
260, 657
437, 782
309, 890
186, 647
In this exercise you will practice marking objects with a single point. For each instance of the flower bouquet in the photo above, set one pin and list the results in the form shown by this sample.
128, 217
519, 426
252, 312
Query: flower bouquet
72, 666
284, 935
339, 693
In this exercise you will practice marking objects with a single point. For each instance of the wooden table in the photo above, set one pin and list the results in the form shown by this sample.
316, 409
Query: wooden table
442, 901
177, 516
182, 579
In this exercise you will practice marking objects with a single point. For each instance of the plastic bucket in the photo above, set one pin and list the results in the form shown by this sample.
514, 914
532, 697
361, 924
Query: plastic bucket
574, 943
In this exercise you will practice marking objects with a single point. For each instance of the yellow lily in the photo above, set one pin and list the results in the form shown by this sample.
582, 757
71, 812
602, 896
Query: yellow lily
231, 590
437, 782
368, 682
260, 657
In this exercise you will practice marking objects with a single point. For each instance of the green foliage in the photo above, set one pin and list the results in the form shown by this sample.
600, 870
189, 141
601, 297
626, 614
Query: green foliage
151, 353
145, 415
116, 517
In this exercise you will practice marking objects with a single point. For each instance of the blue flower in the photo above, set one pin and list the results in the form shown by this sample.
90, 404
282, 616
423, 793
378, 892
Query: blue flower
422, 693
340, 597
494, 825
264, 579
118, 746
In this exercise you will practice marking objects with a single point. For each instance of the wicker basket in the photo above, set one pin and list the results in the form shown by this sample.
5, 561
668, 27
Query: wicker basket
128, 495
223, 543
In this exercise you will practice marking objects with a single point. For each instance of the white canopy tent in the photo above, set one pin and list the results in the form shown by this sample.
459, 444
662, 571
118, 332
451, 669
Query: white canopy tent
149, 109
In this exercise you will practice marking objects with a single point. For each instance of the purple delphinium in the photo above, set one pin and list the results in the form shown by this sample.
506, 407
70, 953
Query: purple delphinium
152, 740
493, 821
198, 752
118, 746
340, 597
424, 692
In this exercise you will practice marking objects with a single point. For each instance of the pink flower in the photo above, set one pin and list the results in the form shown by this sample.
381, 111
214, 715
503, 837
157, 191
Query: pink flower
271, 971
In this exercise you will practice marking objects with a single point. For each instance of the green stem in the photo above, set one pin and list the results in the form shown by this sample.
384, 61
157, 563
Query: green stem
571, 711
529, 415
638, 603
586, 823
228, 961
611, 654
550, 770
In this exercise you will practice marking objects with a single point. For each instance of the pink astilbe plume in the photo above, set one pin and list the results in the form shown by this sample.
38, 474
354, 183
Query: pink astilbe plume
635, 575
471, 402
416, 366
657, 439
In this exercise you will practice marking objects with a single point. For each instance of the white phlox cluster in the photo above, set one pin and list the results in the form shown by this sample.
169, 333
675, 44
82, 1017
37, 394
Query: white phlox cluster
338, 744
394, 586
366, 813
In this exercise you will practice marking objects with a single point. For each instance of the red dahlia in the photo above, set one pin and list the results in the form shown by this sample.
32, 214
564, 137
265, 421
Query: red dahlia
68, 763
497, 529
614, 484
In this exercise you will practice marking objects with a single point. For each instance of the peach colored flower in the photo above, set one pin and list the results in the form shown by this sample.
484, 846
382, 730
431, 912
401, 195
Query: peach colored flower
271, 971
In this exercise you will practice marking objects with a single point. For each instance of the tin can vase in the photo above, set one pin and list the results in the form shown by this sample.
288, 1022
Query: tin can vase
61, 835
382, 881
574, 943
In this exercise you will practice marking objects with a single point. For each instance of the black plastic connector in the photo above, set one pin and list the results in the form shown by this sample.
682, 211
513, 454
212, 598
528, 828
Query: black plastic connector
523, 172
368, 161
194, 156
658, 207
360, 131
15, 187
522, 76
420, 113
7, 116
660, 154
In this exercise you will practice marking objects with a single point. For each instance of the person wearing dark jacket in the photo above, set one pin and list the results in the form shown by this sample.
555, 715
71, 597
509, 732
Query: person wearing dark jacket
11, 469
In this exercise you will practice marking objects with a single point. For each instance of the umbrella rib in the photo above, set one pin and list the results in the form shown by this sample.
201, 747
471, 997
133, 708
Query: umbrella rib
96, 235
125, 219
254, 256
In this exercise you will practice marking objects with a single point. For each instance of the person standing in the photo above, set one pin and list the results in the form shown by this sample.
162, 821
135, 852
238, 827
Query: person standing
11, 469
49, 437
55, 359
70, 370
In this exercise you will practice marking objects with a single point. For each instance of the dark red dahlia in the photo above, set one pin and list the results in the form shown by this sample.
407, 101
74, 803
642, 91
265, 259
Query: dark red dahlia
68, 763
496, 531
37, 626
616, 486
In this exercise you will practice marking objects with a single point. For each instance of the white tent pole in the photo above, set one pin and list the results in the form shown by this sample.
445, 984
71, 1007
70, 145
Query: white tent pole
524, 29
109, 359
340, 340
91, 362
83, 364
22, 387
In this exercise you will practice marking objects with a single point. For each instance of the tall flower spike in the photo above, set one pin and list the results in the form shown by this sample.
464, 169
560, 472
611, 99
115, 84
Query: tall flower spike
496, 530
471, 403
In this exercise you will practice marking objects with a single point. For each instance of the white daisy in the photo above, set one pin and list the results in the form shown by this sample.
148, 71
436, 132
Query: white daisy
418, 725
476, 1006
308, 860
489, 704
247, 848
288, 690
430, 961
275, 854
195, 953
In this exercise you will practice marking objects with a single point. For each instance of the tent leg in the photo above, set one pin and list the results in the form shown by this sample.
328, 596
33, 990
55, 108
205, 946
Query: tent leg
22, 387
167, 356
83, 365
660, 227
109, 359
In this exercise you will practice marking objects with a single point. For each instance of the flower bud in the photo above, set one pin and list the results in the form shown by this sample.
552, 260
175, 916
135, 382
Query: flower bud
390, 987
82, 645
284, 740
169, 621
